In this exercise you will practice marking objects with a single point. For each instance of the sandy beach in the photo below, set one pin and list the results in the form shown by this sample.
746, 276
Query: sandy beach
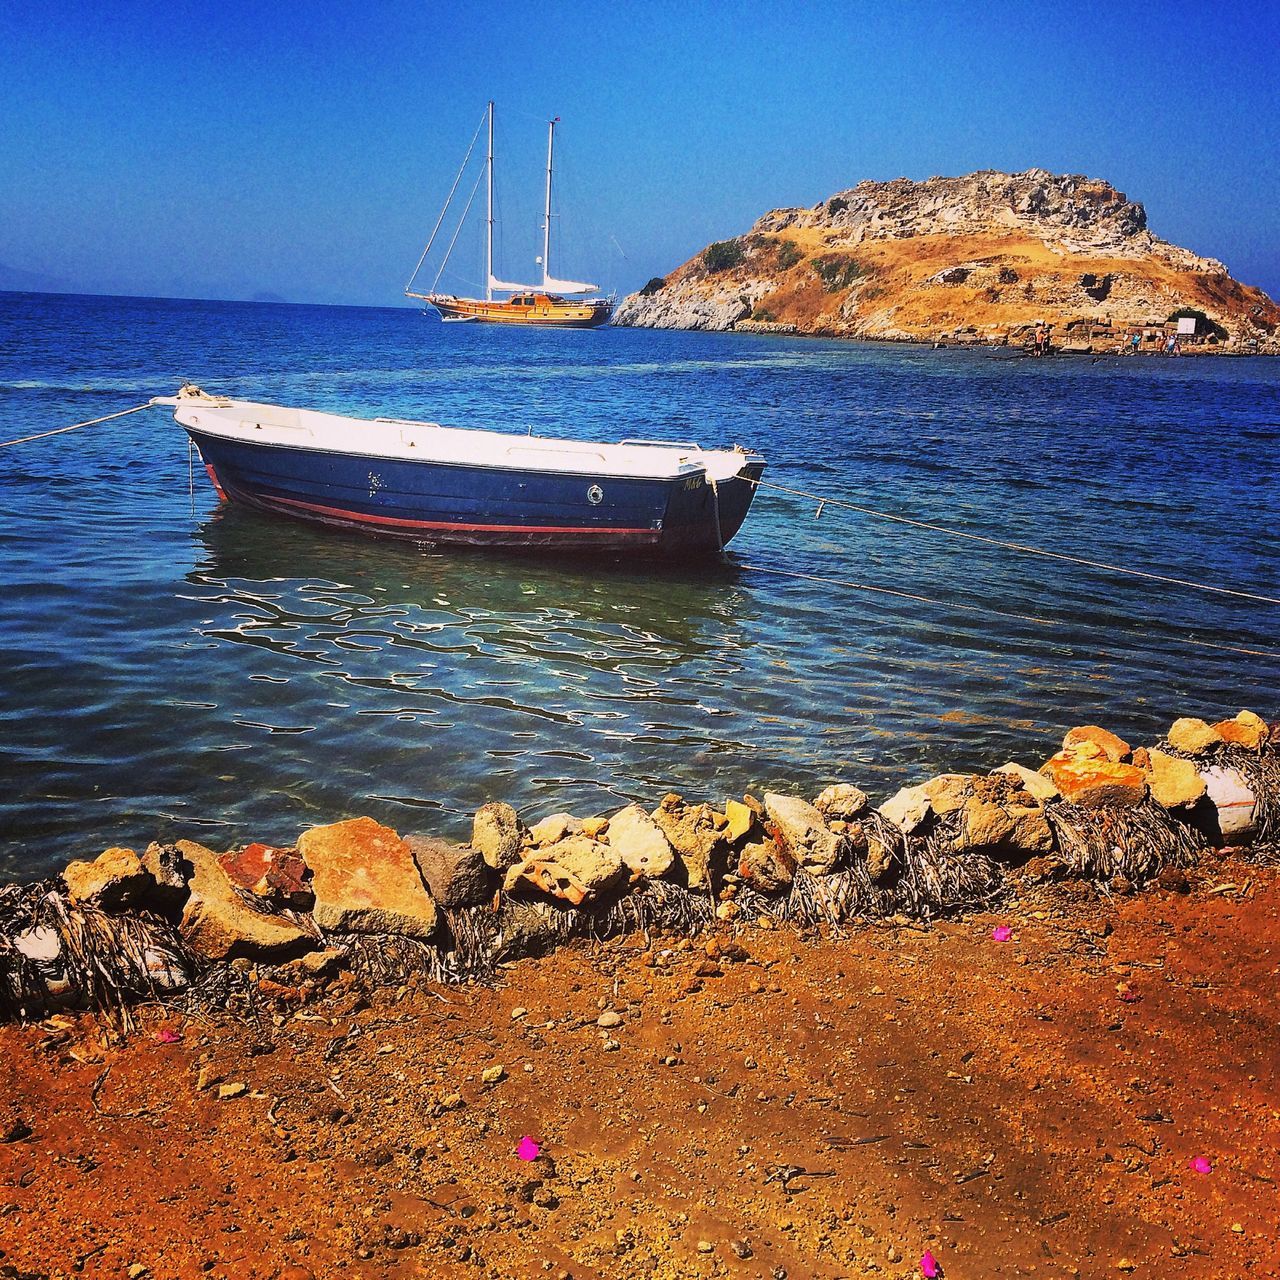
762, 1106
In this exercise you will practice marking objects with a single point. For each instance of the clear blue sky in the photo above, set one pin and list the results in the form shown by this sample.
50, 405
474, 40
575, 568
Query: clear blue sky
304, 149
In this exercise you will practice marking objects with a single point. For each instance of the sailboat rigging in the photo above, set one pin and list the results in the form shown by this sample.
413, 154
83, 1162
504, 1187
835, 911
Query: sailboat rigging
551, 303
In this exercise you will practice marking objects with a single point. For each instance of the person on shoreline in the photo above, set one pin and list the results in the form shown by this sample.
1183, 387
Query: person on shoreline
1135, 341
1041, 339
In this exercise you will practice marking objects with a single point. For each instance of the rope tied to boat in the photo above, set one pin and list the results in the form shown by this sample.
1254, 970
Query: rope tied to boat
823, 501
92, 422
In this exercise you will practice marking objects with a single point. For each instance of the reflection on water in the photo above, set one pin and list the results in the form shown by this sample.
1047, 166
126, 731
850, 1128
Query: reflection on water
172, 666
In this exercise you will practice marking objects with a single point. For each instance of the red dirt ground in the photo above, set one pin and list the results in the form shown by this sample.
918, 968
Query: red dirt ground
999, 1104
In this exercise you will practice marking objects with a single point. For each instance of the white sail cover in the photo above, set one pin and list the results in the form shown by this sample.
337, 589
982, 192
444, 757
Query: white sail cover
503, 286
566, 286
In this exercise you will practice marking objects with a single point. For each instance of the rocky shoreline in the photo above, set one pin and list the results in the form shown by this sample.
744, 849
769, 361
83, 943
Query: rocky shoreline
195, 929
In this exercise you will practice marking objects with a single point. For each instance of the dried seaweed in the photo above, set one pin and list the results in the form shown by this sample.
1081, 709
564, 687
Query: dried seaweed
112, 962
938, 879
1135, 842
655, 906
390, 960
23, 992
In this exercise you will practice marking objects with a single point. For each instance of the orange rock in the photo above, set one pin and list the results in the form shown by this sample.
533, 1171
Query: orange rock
1083, 776
365, 880
269, 872
1115, 749
1245, 730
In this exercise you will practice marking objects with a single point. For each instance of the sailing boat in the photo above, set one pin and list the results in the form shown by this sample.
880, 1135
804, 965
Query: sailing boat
544, 304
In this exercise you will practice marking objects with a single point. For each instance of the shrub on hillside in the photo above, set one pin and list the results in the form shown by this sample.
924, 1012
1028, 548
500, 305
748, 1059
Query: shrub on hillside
652, 287
788, 255
722, 255
836, 271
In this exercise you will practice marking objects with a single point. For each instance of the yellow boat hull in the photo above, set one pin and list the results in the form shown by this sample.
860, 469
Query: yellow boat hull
543, 310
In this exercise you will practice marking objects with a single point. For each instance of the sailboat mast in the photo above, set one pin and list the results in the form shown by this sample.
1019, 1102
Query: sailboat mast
488, 253
546, 224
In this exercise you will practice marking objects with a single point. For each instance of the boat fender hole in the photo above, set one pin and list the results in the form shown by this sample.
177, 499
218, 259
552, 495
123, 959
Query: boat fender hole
595, 495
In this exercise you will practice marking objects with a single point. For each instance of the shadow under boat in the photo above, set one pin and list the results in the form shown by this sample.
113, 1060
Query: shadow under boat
685, 605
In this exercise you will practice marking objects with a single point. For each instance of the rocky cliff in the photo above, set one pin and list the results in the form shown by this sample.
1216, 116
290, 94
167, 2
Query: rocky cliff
979, 257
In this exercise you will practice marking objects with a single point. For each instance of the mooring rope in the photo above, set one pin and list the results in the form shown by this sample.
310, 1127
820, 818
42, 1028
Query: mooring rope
1014, 546
92, 422
977, 608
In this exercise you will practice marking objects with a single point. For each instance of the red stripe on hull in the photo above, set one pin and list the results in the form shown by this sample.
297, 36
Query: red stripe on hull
213, 479
509, 536
444, 526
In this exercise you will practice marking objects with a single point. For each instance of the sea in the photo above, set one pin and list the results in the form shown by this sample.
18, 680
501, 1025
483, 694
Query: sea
173, 667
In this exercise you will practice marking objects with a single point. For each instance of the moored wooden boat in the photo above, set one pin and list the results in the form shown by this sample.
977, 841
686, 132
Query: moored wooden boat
543, 309
545, 305
457, 486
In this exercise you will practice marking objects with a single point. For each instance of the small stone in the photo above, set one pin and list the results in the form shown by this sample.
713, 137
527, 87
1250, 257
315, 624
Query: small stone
841, 802
236, 1089
277, 875
553, 829
705, 1246
741, 1249
1039, 787
1084, 776
909, 808
1192, 736
1126, 1264
518, 1012
640, 843
456, 875
573, 870
610, 1046
739, 820
498, 833
1174, 783
609, 1019
137, 1270
1117, 750
803, 832
766, 866
949, 791
491, 1075
114, 879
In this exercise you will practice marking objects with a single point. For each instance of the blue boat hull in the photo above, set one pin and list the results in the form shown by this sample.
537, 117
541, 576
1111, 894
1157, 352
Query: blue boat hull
448, 504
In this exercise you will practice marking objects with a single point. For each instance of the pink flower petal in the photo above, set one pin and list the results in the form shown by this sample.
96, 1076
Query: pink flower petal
929, 1266
1202, 1164
528, 1149
1129, 997
166, 1036
1002, 933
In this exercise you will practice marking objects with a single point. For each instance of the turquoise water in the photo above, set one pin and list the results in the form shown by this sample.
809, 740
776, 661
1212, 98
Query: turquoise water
171, 666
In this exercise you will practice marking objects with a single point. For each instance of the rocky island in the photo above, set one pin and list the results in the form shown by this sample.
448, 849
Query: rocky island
983, 259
